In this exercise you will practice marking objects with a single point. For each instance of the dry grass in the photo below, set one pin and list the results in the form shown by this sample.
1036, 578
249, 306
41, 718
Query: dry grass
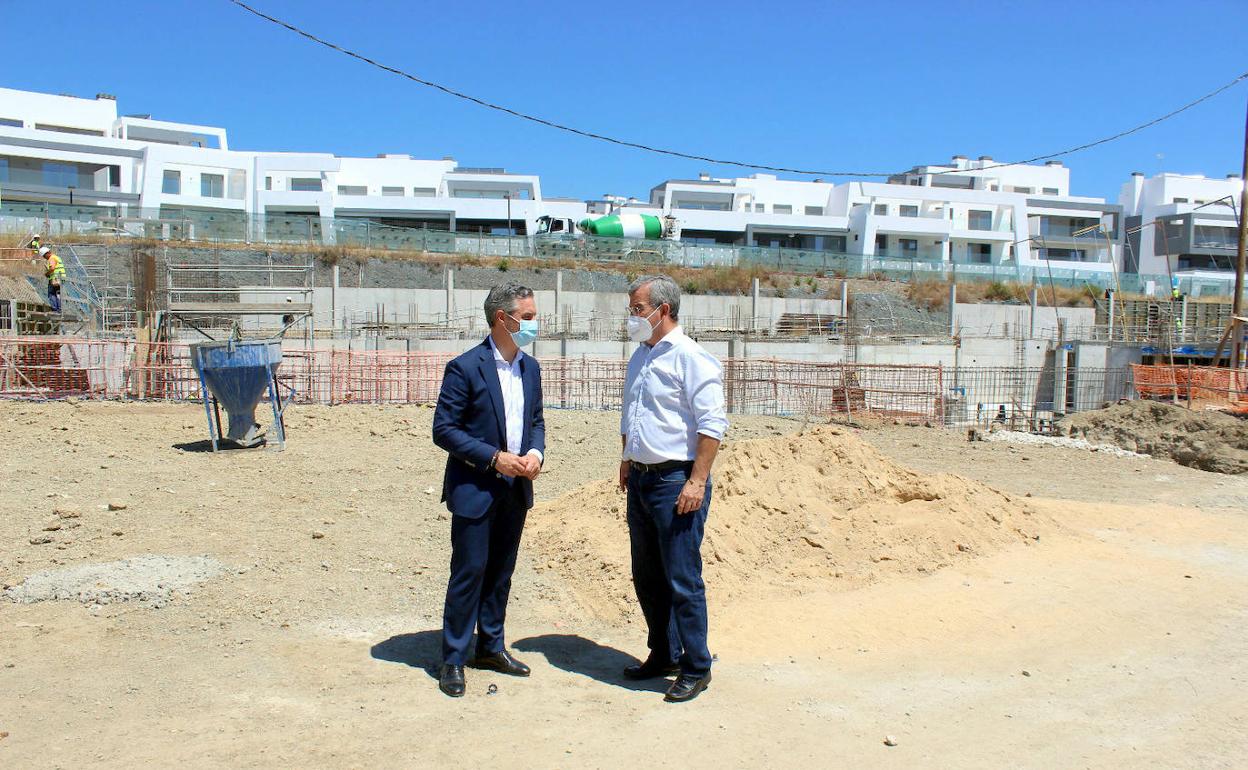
934, 295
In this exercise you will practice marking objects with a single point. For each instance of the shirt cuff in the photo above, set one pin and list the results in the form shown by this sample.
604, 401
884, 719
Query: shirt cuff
540, 457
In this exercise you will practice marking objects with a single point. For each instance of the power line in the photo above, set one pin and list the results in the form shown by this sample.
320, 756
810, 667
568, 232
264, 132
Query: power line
1120, 134
691, 156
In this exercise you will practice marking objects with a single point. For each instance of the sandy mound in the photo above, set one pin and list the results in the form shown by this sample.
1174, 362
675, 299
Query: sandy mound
1210, 441
813, 511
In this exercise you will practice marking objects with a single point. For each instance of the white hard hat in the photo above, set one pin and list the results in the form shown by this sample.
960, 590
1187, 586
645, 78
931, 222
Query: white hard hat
43, 251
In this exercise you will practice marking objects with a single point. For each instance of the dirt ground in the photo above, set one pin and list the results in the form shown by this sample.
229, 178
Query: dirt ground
300, 632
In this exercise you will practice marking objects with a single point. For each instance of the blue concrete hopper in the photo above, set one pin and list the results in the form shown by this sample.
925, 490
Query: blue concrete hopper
236, 374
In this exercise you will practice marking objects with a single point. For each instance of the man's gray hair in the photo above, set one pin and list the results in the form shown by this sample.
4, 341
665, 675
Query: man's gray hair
503, 297
662, 290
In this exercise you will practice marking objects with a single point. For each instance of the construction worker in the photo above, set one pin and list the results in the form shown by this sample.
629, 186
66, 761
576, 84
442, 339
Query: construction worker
54, 270
35, 243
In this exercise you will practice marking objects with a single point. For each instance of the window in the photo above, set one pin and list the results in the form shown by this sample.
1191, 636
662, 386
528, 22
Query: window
1050, 191
994, 188
212, 185
830, 243
881, 209
908, 245
11, 122
4, 169
1062, 255
914, 182
268, 183
760, 208
814, 211
782, 209
1180, 200
979, 220
172, 183
351, 189
881, 243
424, 192
1026, 190
305, 184
909, 211
60, 174
979, 252
396, 192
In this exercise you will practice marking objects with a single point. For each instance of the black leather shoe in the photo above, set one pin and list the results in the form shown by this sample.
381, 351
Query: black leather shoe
500, 661
653, 668
451, 680
687, 687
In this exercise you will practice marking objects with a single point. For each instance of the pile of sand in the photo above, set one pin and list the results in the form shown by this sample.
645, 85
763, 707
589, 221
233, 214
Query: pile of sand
820, 510
1210, 441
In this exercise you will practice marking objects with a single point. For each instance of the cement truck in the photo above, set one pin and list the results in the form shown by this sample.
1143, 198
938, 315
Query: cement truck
616, 236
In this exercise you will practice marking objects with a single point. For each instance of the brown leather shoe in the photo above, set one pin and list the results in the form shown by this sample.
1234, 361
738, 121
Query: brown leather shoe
500, 661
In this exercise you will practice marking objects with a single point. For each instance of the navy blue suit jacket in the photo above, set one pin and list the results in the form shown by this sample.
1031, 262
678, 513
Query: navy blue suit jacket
470, 424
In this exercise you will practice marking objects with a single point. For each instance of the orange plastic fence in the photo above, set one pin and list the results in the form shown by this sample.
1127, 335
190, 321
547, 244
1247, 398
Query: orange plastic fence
62, 367
1209, 385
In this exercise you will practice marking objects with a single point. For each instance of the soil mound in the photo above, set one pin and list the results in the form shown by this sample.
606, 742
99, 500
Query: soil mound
1210, 441
818, 510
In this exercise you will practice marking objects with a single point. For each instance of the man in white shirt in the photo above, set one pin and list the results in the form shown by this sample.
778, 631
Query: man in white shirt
489, 420
671, 426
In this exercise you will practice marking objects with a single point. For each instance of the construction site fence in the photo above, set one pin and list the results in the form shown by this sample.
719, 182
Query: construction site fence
1203, 386
58, 368
317, 232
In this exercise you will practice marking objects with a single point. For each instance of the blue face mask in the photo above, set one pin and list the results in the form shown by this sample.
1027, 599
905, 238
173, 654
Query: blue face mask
526, 334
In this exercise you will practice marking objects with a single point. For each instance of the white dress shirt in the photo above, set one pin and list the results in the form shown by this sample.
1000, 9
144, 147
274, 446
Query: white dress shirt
512, 384
672, 392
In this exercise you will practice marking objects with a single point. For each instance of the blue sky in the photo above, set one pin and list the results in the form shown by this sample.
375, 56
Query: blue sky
825, 85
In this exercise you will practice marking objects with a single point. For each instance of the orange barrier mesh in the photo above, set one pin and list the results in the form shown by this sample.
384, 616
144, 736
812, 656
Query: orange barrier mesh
1208, 385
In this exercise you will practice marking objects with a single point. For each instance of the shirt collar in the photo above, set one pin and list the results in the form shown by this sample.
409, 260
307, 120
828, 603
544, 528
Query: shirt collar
498, 357
671, 338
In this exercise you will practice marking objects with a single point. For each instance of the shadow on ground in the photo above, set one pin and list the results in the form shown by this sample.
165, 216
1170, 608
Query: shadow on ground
205, 445
578, 655
421, 650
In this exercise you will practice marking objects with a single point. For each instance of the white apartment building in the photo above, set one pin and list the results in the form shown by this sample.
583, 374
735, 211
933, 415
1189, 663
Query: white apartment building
965, 212
71, 151
1181, 223
61, 149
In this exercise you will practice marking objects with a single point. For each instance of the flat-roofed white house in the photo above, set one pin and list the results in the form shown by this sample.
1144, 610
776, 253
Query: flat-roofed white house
1185, 224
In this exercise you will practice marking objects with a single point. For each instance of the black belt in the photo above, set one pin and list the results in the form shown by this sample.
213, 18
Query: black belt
667, 465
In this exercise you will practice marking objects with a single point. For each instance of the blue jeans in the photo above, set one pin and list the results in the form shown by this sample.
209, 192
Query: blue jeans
667, 567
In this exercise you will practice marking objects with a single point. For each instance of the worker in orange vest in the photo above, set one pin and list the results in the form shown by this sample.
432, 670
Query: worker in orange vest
54, 270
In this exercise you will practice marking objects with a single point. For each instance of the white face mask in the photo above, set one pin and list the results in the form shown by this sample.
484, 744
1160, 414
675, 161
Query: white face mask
639, 328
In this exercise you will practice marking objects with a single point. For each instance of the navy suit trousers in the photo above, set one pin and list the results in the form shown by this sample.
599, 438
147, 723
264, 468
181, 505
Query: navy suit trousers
483, 556
667, 567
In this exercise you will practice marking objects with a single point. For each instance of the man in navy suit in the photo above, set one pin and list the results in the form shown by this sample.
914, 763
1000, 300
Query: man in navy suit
489, 419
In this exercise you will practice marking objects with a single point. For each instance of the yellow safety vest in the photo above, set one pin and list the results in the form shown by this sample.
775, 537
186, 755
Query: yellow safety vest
55, 270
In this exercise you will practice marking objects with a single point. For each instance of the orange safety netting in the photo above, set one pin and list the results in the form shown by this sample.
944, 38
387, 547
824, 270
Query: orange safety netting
1209, 385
